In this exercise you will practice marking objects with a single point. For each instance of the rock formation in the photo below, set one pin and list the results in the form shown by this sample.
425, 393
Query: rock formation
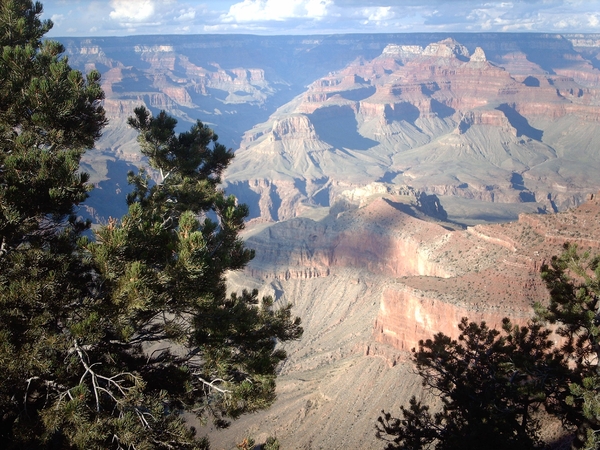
442, 120
362, 159
485, 117
369, 283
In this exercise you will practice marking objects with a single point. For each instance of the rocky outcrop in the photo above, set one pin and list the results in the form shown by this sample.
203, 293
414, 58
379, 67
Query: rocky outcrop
448, 48
178, 94
161, 58
579, 227
478, 56
120, 108
415, 308
294, 127
381, 236
408, 316
401, 52
429, 205
493, 118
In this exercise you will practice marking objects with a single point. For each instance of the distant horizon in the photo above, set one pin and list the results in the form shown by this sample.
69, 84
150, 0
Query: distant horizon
119, 18
322, 35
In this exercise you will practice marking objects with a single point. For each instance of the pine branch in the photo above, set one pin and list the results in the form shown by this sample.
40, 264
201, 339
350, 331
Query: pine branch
97, 378
211, 385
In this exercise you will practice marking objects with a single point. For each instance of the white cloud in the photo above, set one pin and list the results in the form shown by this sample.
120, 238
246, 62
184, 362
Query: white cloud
486, 25
318, 9
571, 22
184, 15
277, 10
57, 19
519, 27
129, 11
379, 13
118, 17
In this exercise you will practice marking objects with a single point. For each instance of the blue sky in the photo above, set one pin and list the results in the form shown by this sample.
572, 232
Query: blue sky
270, 17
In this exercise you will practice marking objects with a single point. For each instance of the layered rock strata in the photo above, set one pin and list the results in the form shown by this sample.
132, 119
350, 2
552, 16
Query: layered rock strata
372, 281
441, 119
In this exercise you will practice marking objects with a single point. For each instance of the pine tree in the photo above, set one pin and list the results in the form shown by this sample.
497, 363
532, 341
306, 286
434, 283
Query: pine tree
163, 268
49, 114
490, 383
107, 342
573, 280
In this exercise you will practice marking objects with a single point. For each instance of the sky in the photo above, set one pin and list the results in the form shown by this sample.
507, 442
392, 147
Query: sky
277, 17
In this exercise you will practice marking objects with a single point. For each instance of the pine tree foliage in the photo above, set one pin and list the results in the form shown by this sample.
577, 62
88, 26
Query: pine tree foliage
105, 343
49, 114
170, 334
491, 384
573, 280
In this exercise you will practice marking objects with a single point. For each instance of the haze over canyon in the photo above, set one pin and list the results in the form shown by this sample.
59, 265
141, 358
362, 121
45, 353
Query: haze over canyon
396, 183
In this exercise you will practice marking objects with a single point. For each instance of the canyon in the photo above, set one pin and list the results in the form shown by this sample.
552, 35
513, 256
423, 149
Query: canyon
372, 281
481, 120
396, 183
437, 118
